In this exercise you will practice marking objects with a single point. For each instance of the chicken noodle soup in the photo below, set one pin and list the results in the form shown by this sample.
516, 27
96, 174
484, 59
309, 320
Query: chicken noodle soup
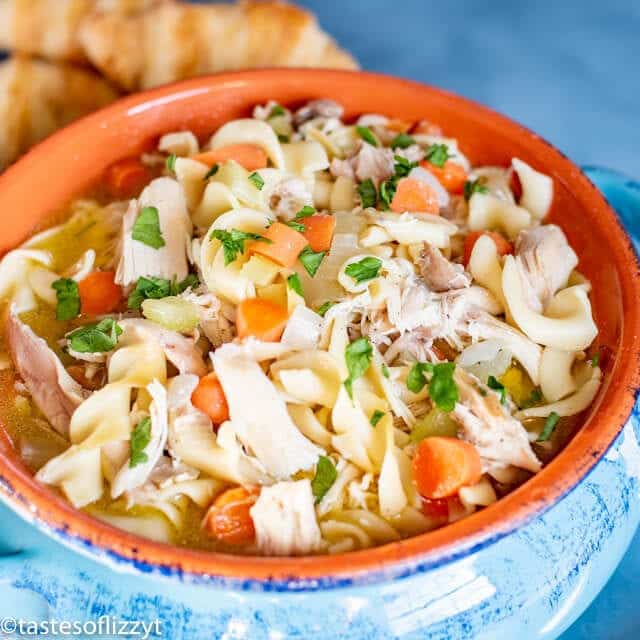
305, 337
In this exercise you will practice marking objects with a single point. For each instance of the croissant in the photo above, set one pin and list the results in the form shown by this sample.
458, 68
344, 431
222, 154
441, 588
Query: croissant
38, 97
49, 28
172, 41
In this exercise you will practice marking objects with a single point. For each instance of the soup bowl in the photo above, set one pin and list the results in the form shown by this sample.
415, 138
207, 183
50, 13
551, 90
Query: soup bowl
527, 565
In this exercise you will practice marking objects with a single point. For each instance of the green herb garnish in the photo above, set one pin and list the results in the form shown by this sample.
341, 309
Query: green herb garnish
311, 260
367, 135
532, 400
402, 141
68, 296
300, 228
365, 269
233, 242
442, 387
212, 172
376, 417
367, 193
257, 180
402, 168
494, 384
595, 361
95, 338
305, 212
323, 308
140, 438
438, 154
357, 355
385, 371
157, 288
276, 110
294, 283
549, 426
474, 186
146, 228
171, 162
326, 475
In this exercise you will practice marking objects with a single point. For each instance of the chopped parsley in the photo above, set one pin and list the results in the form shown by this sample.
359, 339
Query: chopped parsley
68, 296
95, 338
365, 269
212, 172
305, 212
385, 371
367, 193
326, 475
494, 384
300, 228
474, 186
438, 154
402, 168
357, 355
293, 281
158, 288
257, 180
595, 361
171, 162
146, 228
376, 417
311, 260
367, 135
549, 427
402, 141
276, 110
323, 308
442, 388
140, 438
532, 400
233, 242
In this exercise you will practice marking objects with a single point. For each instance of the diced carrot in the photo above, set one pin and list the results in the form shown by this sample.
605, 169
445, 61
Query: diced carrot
127, 178
283, 245
209, 397
452, 176
261, 319
99, 293
436, 509
441, 466
228, 518
414, 195
399, 126
319, 231
427, 128
250, 156
502, 244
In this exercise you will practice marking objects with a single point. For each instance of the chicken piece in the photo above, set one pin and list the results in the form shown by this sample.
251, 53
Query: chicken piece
173, 41
285, 521
289, 196
439, 273
53, 390
168, 261
215, 317
367, 162
546, 261
37, 97
322, 108
179, 350
499, 438
263, 425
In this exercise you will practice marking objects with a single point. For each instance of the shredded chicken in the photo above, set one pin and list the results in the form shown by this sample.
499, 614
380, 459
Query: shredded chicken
215, 317
53, 390
284, 518
546, 261
289, 196
367, 162
179, 350
439, 273
323, 108
487, 424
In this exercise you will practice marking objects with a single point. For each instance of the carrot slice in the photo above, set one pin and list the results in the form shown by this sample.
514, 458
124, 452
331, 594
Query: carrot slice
127, 178
250, 156
319, 231
502, 244
261, 319
441, 466
414, 195
99, 293
399, 126
283, 247
209, 397
451, 176
229, 518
